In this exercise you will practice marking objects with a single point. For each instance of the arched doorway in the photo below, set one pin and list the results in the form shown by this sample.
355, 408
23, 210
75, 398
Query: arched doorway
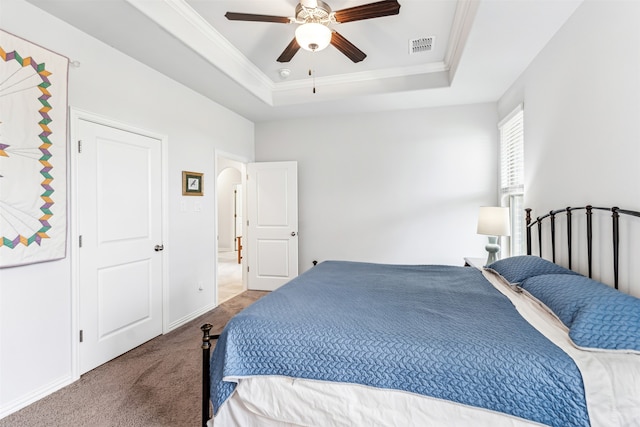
230, 218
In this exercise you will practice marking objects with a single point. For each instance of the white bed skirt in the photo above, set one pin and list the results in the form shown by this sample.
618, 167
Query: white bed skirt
278, 401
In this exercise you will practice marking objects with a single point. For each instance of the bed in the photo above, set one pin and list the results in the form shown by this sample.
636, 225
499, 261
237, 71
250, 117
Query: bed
522, 342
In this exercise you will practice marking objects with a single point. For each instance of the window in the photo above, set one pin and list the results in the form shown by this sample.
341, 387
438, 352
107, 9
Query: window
512, 177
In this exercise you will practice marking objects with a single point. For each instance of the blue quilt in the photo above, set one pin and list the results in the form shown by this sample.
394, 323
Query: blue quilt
439, 331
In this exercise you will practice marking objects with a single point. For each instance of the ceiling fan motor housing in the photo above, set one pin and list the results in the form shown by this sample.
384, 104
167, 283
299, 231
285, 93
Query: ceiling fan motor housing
320, 14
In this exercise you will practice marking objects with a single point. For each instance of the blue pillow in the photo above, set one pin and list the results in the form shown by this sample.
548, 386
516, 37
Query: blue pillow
597, 315
518, 268
609, 322
561, 293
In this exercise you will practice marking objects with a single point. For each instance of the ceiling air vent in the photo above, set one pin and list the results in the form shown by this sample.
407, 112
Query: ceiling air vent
423, 44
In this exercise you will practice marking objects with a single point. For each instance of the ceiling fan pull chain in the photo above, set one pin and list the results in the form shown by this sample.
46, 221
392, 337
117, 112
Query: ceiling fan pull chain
312, 73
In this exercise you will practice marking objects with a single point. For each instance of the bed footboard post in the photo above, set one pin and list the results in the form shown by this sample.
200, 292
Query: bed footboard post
206, 378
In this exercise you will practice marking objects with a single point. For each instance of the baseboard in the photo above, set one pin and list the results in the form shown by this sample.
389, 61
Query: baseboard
188, 318
44, 391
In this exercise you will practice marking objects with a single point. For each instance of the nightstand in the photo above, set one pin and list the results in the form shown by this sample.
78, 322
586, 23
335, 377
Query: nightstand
475, 262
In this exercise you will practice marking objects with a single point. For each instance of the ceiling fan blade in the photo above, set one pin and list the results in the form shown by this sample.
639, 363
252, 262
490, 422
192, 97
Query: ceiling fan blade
289, 51
346, 47
368, 11
234, 16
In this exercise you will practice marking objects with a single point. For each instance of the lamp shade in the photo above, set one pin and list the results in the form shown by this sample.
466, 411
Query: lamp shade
494, 221
313, 36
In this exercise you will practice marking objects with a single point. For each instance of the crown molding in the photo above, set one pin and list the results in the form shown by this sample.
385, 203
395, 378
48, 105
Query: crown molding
184, 23
365, 76
179, 19
461, 27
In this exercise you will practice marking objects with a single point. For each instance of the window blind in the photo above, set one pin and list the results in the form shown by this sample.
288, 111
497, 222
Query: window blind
512, 153
512, 175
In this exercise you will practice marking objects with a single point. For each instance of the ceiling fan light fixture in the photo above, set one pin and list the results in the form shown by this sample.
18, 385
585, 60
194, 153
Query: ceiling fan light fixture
313, 36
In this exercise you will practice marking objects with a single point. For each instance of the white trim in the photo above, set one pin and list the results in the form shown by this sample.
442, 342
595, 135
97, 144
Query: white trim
518, 109
231, 156
365, 76
41, 392
189, 317
180, 20
462, 23
75, 116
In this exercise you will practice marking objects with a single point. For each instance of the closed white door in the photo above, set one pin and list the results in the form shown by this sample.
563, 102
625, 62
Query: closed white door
119, 226
272, 209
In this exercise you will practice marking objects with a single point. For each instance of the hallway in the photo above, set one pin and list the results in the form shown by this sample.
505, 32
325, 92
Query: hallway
229, 276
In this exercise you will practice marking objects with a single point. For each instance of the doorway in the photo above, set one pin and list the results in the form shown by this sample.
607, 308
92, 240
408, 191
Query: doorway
230, 202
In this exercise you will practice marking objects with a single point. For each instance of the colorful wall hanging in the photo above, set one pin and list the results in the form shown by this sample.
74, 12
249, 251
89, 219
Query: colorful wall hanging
33, 136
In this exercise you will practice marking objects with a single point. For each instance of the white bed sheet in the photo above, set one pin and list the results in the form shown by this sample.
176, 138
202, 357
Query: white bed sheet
612, 387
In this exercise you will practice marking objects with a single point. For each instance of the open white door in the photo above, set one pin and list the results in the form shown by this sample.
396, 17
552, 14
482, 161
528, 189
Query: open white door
272, 210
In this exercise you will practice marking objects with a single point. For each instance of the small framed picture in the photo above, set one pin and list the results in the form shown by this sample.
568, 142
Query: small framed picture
192, 183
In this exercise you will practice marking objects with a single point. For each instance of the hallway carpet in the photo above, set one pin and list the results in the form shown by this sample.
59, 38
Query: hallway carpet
155, 384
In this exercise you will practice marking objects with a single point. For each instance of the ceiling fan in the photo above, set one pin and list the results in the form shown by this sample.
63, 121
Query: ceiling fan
314, 18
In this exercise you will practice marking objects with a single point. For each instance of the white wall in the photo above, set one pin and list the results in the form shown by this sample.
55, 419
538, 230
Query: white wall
396, 187
582, 113
582, 110
35, 301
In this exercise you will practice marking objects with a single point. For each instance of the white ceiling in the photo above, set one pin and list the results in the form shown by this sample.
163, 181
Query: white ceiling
480, 48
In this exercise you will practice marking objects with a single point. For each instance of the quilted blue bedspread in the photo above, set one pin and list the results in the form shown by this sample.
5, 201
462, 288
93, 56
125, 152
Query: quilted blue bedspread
439, 331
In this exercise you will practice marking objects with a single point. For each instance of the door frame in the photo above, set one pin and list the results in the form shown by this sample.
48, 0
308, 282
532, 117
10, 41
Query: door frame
243, 173
75, 116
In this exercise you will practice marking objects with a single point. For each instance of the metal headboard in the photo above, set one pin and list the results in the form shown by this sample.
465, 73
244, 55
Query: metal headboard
615, 215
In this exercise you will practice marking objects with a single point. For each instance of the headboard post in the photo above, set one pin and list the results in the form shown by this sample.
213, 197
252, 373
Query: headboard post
528, 228
569, 235
552, 218
589, 213
616, 243
539, 221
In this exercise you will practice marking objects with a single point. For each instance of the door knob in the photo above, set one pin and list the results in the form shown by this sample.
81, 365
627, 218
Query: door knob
293, 234
158, 248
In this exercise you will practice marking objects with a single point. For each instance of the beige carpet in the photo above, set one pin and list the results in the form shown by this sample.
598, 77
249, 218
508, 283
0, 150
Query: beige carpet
156, 384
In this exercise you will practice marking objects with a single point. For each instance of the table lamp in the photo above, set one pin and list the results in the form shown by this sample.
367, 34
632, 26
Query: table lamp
493, 222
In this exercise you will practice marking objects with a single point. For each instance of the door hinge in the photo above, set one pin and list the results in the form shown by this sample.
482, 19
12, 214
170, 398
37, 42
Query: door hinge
79, 146
81, 335
80, 241
247, 268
